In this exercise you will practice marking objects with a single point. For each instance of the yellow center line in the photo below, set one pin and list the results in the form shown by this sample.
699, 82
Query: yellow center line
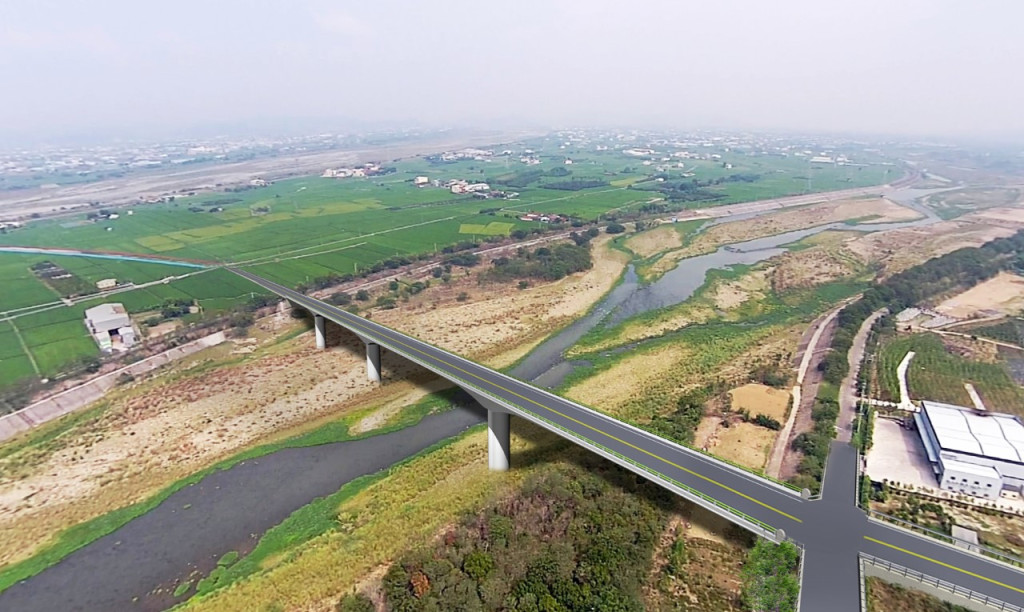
358, 323
946, 565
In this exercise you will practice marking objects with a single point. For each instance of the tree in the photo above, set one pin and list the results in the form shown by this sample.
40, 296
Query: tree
769, 577
363, 295
341, 299
615, 228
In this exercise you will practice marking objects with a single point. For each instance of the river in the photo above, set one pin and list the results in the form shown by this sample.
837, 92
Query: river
229, 509
546, 365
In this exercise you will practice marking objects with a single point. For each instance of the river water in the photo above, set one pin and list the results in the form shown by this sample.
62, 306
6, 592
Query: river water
135, 567
546, 365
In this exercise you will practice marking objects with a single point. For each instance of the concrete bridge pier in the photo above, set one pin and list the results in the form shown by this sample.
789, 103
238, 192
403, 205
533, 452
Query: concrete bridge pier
320, 325
497, 440
373, 362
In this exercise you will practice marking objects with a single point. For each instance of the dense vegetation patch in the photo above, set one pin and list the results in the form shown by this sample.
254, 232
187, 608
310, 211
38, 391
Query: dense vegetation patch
547, 263
571, 539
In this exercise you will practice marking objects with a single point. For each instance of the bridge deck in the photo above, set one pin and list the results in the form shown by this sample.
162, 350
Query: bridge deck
725, 489
833, 530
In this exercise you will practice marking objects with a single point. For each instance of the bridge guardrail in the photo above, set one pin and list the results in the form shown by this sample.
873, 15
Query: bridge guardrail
571, 434
948, 539
684, 447
942, 585
764, 527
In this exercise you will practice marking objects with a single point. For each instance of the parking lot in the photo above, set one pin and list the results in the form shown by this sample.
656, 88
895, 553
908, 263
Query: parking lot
897, 454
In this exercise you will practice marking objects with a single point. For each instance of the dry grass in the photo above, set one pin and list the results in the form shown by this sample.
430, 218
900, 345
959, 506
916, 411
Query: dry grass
201, 411
500, 323
745, 443
654, 241
412, 504
810, 267
880, 209
761, 399
730, 295
900, 249
627, 379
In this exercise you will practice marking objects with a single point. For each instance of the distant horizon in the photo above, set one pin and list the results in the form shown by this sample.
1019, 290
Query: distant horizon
304, 127
913, 69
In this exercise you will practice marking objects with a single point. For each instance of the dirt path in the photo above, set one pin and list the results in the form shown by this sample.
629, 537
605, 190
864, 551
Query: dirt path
848, 392
782, 440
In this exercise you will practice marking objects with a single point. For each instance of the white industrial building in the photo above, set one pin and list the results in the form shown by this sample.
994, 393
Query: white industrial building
110, 325
972, 452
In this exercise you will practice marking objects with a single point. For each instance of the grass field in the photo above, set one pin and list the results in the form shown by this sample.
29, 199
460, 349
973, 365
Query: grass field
939, 375
303, 228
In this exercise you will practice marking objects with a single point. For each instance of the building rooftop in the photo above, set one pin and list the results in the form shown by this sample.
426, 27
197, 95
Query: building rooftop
105, 311
959, 429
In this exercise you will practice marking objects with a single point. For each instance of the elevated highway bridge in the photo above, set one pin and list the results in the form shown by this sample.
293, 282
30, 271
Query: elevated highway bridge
837, 537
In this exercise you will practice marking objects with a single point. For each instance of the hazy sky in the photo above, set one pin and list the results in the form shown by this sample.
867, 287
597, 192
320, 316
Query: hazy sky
911, 66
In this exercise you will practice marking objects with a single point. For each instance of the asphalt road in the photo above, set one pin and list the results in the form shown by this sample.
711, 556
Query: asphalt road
832, 530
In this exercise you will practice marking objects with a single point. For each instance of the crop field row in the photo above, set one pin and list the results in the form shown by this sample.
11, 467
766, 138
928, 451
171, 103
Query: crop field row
57, 336
938, 375
298, 229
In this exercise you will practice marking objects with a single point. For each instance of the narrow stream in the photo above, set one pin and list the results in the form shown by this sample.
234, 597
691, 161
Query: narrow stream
546, 365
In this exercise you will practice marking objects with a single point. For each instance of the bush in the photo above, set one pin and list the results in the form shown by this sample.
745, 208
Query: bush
355, 602
766, 421
615, 228
363, 295
478, 564
340, 299
770, 577
462, 297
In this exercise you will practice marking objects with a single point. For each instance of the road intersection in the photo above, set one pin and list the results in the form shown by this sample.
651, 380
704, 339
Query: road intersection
832, 531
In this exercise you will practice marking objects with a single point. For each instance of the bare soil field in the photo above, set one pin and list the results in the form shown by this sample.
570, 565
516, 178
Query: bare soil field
214, 405
743, 443
761, 399
1004, 294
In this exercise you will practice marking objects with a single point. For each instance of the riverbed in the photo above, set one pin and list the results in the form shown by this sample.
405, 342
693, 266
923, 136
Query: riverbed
231, 509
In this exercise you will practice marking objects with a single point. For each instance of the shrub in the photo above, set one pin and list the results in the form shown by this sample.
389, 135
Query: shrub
355, 602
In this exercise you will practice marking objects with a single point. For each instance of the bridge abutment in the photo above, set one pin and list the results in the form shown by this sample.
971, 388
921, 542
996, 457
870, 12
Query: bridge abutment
373, 362
498, 440
320, 325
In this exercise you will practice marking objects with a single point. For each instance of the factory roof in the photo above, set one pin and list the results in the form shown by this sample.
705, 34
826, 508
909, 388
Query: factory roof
992, 435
